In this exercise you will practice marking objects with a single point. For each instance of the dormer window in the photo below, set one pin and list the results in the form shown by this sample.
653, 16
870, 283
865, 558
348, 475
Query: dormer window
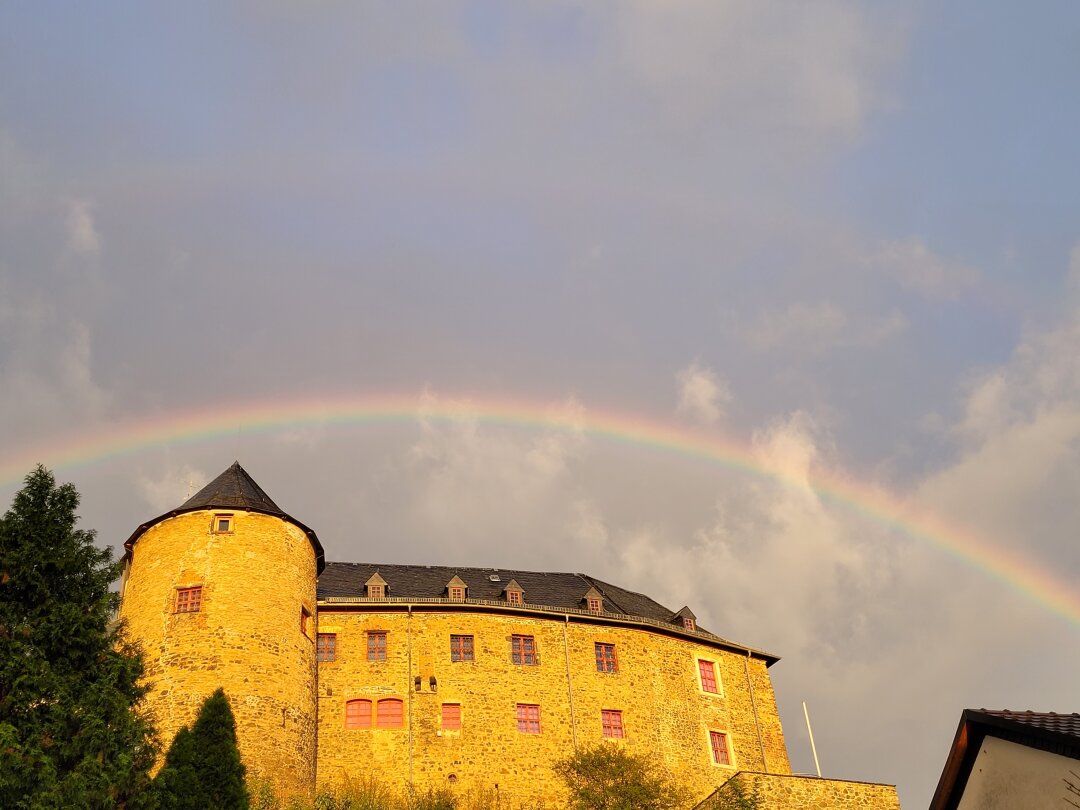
686, 618
376, 587
223, 523
514, 593
594, 601
456, 589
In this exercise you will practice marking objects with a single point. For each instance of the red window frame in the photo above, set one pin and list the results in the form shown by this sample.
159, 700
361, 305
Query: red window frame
462, 648
611, 723
189, 600
523, 650
596, 605
326, 647
358, 714
720, 753
389, 713
605, 658
451, 716
457, 593
688, 623
514, 597
528, 718
376, 645
707, 671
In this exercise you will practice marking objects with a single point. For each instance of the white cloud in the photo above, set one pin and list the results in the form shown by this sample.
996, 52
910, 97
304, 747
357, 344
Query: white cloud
82, 233
171, 486
811, 67
915, 266
819, 327
702, 395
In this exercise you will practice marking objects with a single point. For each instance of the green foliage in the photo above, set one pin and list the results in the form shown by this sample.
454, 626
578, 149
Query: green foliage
69, 737
608, 778
370, 793
733, 795
202, 769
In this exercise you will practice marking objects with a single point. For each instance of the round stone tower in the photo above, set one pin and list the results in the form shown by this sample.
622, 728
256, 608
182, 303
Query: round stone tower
221, 592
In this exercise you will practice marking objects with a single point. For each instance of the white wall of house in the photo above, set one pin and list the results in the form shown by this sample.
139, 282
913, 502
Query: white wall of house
1009, 776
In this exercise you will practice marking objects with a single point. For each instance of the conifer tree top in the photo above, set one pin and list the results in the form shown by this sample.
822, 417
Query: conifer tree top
233, 489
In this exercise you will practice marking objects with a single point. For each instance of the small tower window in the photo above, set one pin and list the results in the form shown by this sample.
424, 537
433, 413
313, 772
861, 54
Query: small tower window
688, 623
595, 605
305, 620
189, 600
223, 523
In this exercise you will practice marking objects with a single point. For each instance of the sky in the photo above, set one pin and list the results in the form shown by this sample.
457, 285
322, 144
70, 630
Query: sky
838, 240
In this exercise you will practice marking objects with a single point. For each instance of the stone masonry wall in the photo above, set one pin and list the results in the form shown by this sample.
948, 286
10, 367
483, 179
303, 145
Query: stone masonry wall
246, 637
790, 792
657, 689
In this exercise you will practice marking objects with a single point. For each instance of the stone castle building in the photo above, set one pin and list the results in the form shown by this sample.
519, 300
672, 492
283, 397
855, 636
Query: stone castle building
437, 676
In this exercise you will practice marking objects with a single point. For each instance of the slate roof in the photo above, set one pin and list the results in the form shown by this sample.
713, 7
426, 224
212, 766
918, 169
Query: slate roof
233, 489
429, 581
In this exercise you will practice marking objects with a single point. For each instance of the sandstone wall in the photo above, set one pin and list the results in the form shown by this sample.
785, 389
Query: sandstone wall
657, 689
789, 792
246, 637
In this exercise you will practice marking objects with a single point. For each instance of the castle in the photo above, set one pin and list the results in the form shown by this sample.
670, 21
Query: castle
436, 676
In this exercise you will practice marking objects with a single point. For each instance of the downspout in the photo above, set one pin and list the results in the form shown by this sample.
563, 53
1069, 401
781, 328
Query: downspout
569, 684
753, 705
409, 686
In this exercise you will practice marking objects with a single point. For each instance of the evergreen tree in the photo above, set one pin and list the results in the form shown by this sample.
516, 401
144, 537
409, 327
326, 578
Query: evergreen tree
202, 769
69, 737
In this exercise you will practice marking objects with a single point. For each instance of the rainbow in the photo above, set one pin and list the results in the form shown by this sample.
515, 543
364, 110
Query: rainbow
874, 504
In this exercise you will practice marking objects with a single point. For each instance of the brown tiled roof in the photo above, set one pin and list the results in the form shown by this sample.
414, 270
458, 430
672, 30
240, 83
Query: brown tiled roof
1044, 731
1048, 721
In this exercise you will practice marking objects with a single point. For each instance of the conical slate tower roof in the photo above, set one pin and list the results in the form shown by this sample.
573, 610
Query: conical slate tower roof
233, 489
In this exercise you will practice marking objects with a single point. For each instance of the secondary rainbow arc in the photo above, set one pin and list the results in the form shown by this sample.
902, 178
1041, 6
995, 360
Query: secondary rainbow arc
875, 504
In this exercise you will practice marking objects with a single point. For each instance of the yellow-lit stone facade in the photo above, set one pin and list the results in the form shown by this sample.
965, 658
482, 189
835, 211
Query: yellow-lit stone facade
253, 580
656, 689
380, 677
